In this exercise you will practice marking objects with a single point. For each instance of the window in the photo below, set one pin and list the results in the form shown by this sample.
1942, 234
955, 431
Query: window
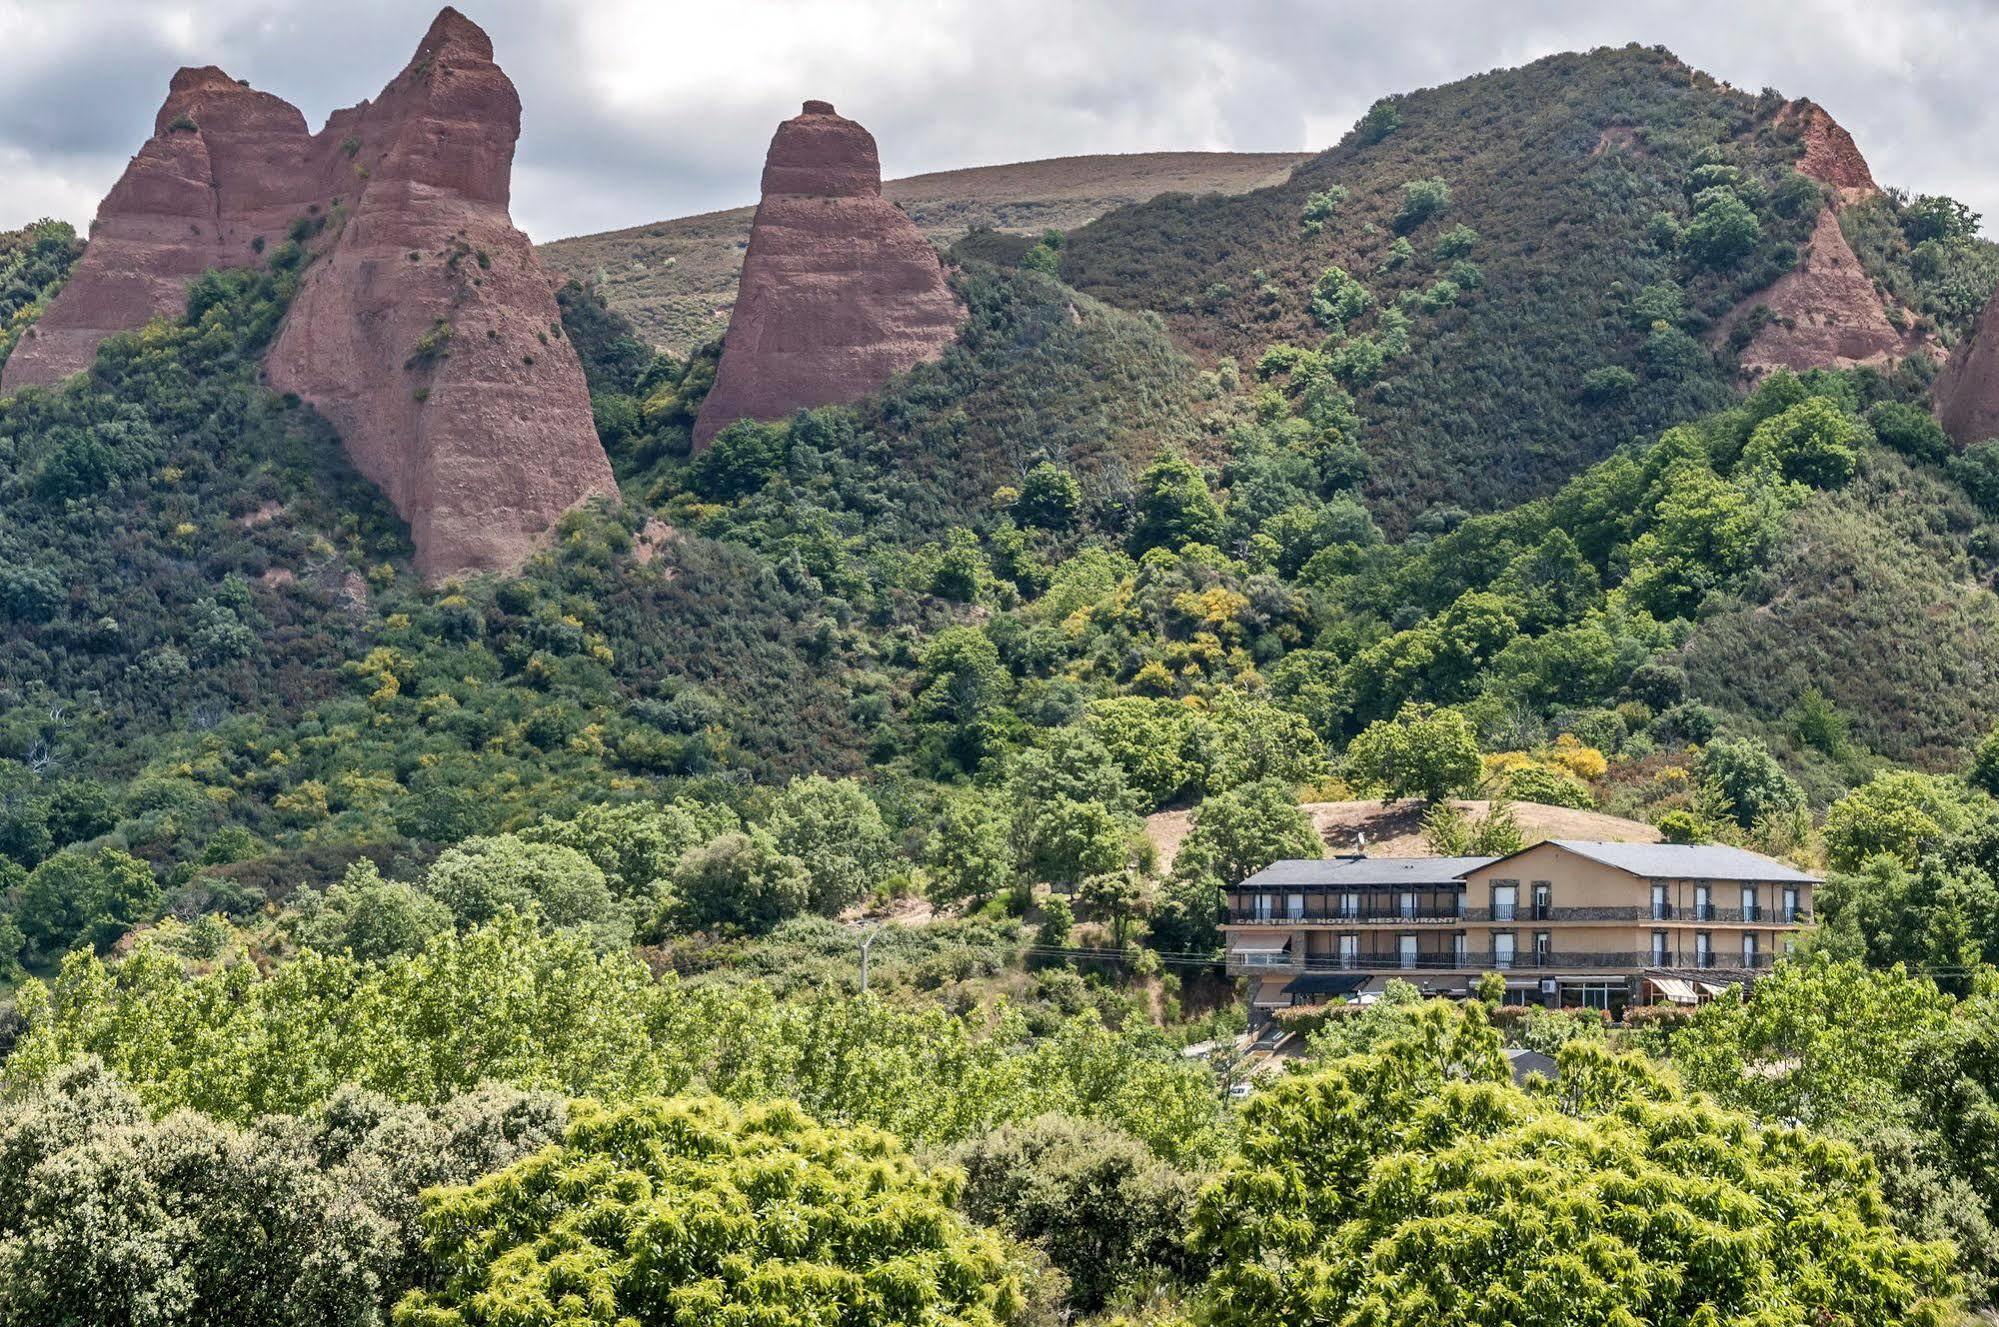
1505, 902
1790, 903
1661, 909
1349, 951
1703, 904
1542, 893
1543, 947
1703, 949
1406, 905
1458, 949
1749, 913
1408, 948
1661, 955
1294, 906
1749, 949
1596, 995
1262, 906
1502, 949
1350, 905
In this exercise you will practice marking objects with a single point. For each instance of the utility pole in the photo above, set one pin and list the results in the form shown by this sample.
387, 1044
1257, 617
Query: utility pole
867, 944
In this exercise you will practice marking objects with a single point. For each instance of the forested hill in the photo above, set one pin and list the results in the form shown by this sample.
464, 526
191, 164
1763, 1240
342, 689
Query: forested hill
1551, 235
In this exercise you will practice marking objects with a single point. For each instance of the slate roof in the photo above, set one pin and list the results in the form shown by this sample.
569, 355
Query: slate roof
1367, 871
1684, 861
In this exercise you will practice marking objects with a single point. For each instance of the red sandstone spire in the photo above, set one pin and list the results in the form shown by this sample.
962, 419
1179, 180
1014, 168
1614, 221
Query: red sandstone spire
425, 329
840, 291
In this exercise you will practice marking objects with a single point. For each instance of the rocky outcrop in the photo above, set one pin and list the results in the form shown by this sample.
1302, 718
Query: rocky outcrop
218, 178
839, 292
1967, 391
1825, 312
1831, 156
428, 332
424, 329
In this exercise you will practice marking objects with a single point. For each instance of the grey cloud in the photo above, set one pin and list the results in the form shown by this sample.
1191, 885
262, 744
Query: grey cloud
636, 110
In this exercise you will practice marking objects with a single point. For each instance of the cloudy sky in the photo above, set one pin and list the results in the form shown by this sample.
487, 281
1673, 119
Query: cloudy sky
643, 109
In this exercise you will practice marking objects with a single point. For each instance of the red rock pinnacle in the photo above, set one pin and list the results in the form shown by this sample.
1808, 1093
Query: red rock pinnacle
840, 291
425, 329
1825, 312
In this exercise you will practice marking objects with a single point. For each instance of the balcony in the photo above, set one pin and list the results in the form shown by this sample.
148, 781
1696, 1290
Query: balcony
1485, 960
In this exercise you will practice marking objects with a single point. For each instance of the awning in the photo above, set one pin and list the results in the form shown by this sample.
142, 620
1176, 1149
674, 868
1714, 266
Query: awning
1716, 991
1260, 944
1269, 994
1675, 990
1326, 983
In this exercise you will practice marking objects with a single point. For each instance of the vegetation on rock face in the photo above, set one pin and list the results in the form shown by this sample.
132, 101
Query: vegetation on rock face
33, 262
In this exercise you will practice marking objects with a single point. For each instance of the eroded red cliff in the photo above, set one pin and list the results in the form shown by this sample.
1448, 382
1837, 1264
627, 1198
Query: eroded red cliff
839, 292
1825, 312
1967, 391
424, 329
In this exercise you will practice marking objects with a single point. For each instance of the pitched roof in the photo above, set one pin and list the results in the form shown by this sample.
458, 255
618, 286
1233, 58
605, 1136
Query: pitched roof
1680, 861
1364, 871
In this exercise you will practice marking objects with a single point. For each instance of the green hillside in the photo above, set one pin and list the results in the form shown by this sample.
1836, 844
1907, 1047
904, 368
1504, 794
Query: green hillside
1576, 173
797, 895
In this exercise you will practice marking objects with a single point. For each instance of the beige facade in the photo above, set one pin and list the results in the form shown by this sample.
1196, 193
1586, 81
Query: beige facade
1565, 922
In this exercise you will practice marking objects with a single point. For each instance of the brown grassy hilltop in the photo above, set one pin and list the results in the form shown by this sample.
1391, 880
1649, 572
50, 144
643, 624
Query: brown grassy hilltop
1395, 829
677, 279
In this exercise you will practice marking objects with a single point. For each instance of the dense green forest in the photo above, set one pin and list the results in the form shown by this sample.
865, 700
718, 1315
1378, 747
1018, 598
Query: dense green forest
748, 913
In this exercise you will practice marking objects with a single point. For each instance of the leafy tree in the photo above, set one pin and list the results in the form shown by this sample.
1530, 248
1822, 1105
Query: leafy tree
1984, 773
1238, 832
1175, 507
1387, 1184
1909, 431
961, 697
369, 917
834, 827
636, 844
1455, 243
1937, 217
92, 897
695, 1211
1153, 740
112, 1217
1421, 752
1976, 469
1116, 897
1814, 443
969, 855
741, 459
1897, 812
482, 877
1338, 299
1724, 229
1057, 920
1248, 741
1064, 841
1421, 200
741, 880
1109, 1214
1050, 498
1748, 779
1382, 119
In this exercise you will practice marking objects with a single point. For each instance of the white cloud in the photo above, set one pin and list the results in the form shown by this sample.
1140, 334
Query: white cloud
637, 110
